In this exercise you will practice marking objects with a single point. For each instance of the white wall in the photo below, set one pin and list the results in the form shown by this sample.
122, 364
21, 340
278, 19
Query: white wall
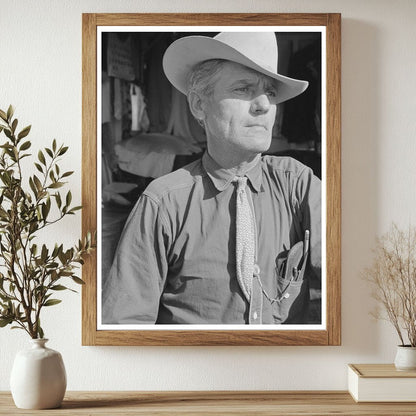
40, 73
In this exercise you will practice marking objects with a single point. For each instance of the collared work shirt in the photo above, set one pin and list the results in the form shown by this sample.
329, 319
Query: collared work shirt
176, 264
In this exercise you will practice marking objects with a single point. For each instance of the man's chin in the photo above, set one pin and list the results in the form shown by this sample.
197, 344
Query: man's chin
261, 147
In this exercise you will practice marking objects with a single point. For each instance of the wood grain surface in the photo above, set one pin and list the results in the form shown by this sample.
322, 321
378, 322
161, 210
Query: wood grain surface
89, 172
333, 177
212, 403
381, 371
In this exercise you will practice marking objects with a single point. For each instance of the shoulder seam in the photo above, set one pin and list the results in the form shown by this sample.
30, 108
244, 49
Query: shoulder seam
158, 198
158, 205
297, 173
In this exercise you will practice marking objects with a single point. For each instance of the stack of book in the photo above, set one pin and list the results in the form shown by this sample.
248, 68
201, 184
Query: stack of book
381, 383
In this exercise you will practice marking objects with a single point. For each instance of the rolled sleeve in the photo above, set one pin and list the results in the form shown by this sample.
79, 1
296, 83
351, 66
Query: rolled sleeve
137, 277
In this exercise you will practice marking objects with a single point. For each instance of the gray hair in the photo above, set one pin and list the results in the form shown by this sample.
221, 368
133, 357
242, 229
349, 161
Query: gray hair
202, 76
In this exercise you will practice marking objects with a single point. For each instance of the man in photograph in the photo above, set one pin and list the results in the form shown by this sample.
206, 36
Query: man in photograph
233, 238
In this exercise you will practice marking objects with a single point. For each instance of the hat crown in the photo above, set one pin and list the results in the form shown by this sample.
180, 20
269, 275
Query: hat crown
260, 47
254, 50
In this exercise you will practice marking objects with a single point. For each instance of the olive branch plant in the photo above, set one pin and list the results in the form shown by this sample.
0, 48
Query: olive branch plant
393, 277
30, 273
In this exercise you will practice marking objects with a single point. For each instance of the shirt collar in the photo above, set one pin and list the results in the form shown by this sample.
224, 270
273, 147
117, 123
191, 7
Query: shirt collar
221, 178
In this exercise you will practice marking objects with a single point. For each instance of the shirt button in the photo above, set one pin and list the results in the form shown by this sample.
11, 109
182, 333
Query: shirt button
255, 315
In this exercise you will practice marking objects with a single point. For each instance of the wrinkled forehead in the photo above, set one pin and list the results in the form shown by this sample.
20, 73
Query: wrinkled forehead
236, 71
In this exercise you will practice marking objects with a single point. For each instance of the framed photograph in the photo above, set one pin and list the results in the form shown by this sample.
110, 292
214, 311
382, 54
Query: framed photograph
211, 172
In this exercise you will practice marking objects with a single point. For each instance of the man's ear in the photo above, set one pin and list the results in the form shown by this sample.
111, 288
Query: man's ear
196, 106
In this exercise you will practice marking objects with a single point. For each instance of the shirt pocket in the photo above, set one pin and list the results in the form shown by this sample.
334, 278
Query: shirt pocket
292, 305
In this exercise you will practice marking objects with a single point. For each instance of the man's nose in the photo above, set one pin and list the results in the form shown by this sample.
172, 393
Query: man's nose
260, 104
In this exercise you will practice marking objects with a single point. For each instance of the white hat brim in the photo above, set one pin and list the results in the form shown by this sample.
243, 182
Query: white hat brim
183, 54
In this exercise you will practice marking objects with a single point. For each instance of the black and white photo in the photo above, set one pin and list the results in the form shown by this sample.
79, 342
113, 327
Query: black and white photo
200, 246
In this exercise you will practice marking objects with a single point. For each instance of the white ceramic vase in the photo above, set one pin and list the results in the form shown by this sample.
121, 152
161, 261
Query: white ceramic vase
405, 358
38, 377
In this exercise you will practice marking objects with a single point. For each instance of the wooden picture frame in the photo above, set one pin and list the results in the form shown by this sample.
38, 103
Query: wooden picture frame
330, 333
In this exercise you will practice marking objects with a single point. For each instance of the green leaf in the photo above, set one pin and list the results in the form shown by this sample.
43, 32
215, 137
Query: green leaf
25, 145
5, 179
49, 152
51, 302
45, 211
54, 276
6, 145
54, 145
14, 125
63, 150
8, 133
58, 199
39, 167
76, 279
77, 208
56, 185
68, 199
34, 226
5, 321
24, 132
55, 251
67, 174
44, 253
10, 112
42, 194
59, 287
58, 250
37, 182
40, 332
3, 115
62, 257
33, 187
4, 298
41, 157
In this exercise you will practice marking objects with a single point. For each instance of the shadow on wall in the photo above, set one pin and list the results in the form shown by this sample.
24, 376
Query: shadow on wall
361, 46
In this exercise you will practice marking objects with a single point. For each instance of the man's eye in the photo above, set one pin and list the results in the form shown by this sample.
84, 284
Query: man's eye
271, 93
242, 89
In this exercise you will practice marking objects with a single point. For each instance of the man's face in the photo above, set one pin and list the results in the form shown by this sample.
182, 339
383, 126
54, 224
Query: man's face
240, 112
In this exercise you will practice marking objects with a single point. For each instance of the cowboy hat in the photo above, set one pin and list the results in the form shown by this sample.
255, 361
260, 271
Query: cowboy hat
255, 50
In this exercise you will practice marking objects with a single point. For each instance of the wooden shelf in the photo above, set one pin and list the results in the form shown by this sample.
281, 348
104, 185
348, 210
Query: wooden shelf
318, 403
